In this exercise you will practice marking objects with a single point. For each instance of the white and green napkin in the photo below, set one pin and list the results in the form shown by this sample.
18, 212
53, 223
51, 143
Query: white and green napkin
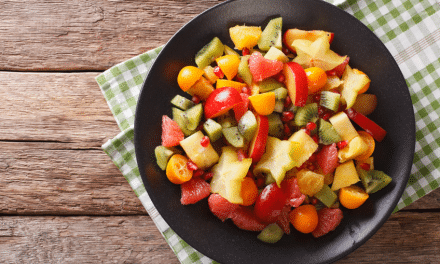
408, 28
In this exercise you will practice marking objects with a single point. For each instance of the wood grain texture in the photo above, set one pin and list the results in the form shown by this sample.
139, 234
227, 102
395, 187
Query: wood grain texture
75, 35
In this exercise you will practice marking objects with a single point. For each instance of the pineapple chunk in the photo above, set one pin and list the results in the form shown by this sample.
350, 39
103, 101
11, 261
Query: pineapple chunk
306, 147
343, 126
276, 54
245, 36
352, 82
228, 175
355, 147
203, 157
309, 182
345, 175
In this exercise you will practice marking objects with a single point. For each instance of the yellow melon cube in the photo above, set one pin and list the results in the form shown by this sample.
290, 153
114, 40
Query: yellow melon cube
309, 182
343, 126
245, 36
306, 147
354, 148
345, 175
203, 157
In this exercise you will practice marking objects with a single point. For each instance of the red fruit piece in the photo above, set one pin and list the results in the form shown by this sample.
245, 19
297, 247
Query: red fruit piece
294, 197
220, 101
221, 207
262, 68
328, 220
283, 220
241, 108
327, 158
269, 203
194, 190
339, 70
245, 219
171, 132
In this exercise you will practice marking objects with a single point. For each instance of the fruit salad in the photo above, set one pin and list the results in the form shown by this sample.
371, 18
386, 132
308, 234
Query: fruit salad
274, 132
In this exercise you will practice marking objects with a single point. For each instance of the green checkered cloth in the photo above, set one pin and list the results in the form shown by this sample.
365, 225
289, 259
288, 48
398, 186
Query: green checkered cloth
409, 29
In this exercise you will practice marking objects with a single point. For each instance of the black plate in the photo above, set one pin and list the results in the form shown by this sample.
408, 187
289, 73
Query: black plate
224, 242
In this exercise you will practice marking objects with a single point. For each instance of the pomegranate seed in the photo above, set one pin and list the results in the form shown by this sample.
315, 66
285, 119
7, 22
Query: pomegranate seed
198, 173
316, 139
191, 165
245, 90
287, 102
321, 111
342, 144
311, 167
241, 155
287, 130
204, 141
317, 98
239, 79
365, 166
219, 72
310, 126
280, 77
245, 51
313, 200
326, 116
260, 183
208, 176
331, 72
195, 99
335, 91
287, 116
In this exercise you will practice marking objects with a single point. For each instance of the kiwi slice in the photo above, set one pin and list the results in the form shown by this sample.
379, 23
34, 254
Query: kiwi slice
182, 102
209, 53
181, 119
233, 136
212, 129
227, 120
247, 125
326, 196
269, 84
279, 106
374, 180
271, 234
271, 35
276, 127
230, 51
330, 100
194, 115
163, 154
305, 114
280, 93
243, 70
327, 133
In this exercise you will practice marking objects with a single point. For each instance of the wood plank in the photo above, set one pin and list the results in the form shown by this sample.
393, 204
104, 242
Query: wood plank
87, 35
405, 238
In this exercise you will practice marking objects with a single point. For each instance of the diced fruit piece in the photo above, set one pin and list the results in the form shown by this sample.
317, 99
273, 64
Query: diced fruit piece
269, 84
269, 203
352, 82
194, 115
276, 54
327, 133
245, 36
258, 143
228, 175
212, 129
316, 79
326, 196
280, 93
271, 36
343, 126
333, 82
271, 234
291, 34
249, 191
177, 171
202, 88
277, 159
351, 197
244, 219
339, 70
306, 114
374, 180
309, 182
243, 70
283, 220
227, 120
345, 175
188, 76
229, 65
355, 147
368, 161
367, 124
307, 146
210, 74
330, 100
262, 68
304, 218
233, 136
365, 103
194, 190
294, 197
328, 220
241, 108
182, 102
209, 53
171, 132
181, 119
247, 125
316, 54
327, 158
227, 83
369, 140
163, 154
203, 157
221, 207
264, 103
276, 126
230, 51
221, 101
296, 83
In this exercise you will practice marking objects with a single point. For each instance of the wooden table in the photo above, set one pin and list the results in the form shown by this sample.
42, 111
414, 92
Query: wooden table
61, 198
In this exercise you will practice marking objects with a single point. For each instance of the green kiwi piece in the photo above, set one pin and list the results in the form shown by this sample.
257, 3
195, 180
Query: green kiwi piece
163, 154
280, 93
327, 133
305, 114
326, 196
271, 35
233, 136
212, 129
330, 100
194, 115
182, 102
230, 51
271, 234
227, 120
181, 119
243, 70
276, 127
279, 106
247, 125
209, 53
374, 180
269, 84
